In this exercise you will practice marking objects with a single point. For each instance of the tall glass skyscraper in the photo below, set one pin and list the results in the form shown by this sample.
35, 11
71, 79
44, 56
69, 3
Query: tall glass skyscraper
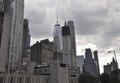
58, 42
58, 37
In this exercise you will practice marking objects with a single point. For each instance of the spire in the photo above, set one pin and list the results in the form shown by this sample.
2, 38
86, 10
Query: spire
57, 17
65, 23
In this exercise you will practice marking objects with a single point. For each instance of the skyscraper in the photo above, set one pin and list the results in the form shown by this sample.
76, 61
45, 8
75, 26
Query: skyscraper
66, 45
58, 37
26, 38
97, 60
73, 42
11, 43
1, 19
69, 45
79, 62
2, 57
58, 42
89, 66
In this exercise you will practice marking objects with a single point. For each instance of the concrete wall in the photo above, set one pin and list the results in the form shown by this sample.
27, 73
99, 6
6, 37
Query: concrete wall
58, 74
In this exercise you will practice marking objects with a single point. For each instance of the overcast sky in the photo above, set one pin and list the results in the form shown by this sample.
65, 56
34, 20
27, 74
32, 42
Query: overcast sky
97, 23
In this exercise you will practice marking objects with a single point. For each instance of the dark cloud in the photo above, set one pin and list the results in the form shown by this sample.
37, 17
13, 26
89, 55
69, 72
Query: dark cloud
94, 20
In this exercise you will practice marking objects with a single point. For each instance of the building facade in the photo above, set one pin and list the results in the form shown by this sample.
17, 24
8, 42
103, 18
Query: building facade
26, 38
57, 72
111, 66
96, 58
42, 52
67, 58
2, 57
89, 66
23, 78
79, 62
11, 43
58, 37
73, 42
58, 42
69, 45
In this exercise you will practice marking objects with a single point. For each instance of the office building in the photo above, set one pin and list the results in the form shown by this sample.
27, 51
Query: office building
110, 66
58, 37
57, 72
26, 38
42, 52
97, 60
67, 58
23, 78
11, 43
69, 47
79, 62
58, 42
73, 42
89, 66
2, 57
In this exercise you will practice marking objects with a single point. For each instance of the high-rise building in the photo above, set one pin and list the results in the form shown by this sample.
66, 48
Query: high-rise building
26, 38
42, 52
97, 60
67, 58
2, 57
111, 66
79, 62
58, 37
11, 43
58, 42
89, 66
73, 42
69, 47
1, 19
2, 5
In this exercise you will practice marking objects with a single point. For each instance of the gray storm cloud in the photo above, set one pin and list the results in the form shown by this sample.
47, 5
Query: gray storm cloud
96, 20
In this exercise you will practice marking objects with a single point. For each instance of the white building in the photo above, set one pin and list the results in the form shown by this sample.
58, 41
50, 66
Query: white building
11, 44
58, 37
23, 78
58, 42
57, 72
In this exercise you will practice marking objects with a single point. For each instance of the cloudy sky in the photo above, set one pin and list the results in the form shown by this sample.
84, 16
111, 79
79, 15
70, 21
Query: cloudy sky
97, 23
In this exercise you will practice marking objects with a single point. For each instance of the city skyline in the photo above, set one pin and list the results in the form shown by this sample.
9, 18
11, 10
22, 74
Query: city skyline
59, 41
96, 23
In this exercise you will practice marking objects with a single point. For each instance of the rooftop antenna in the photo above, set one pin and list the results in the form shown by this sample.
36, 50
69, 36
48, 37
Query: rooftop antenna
57, 17
65, 23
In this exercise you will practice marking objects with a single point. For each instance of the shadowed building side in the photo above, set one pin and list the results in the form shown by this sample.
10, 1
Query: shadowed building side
2, 57
66, 45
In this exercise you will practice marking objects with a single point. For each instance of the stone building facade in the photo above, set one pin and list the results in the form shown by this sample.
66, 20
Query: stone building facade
42, 52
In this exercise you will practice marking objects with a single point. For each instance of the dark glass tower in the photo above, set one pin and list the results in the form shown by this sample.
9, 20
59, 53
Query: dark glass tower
26, 38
